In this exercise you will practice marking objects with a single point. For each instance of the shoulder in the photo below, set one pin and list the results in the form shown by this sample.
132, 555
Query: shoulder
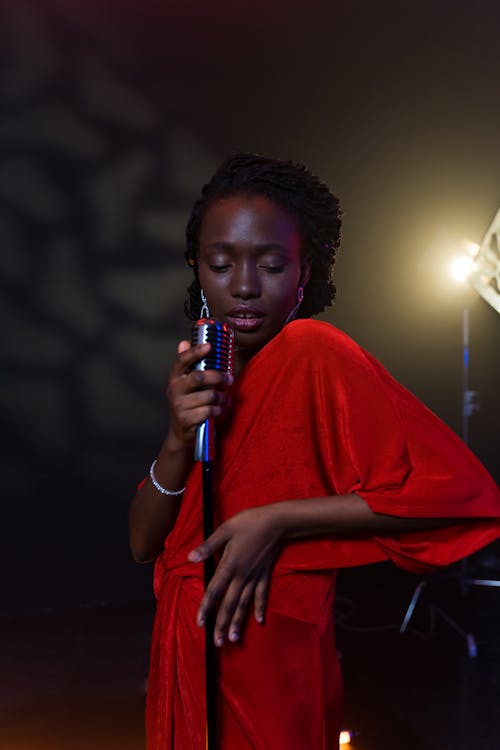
327, 349
319, 339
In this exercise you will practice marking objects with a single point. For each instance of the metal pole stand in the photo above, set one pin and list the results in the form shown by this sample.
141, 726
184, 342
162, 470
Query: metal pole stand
470, 405
210, 655
204, 452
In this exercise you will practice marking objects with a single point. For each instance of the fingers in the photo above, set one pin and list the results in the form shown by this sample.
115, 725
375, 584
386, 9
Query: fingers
251, 545
204, 379
232, 608
235, 606
183, 346
225, 583
261, 592
210, 545
187, 356
191, 408
208, 397
193, 395
235, 595
183, 380
214, 592
232, 611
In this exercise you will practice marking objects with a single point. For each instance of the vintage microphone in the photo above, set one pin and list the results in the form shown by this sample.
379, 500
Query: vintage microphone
220, 357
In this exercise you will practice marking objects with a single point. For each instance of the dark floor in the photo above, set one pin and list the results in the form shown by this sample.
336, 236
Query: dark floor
76, 680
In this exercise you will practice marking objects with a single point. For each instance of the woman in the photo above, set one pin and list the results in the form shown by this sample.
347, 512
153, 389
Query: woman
323, 461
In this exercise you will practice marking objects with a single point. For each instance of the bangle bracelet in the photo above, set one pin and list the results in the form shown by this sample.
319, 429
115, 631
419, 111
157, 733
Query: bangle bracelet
158, 485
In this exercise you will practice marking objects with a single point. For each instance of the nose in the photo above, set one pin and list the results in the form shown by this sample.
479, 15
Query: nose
245, 282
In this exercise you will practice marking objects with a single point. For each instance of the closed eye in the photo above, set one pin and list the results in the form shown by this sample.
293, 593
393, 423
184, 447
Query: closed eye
219, 269
273, 269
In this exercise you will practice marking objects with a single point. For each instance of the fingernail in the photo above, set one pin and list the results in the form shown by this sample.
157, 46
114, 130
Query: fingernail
194, 556
200, 622
233, 635
260, 618
230, 379
219, 641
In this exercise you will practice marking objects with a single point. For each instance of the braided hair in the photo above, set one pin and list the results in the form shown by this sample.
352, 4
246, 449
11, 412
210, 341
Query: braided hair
293, 188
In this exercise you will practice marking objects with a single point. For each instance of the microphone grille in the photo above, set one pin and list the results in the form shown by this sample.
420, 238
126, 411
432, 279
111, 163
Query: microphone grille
221, 337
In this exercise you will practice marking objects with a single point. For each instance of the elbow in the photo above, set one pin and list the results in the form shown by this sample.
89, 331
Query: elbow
141, 556
142, 552
147, 532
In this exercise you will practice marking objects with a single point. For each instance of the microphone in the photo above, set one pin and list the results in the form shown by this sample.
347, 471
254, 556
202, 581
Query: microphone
220, 357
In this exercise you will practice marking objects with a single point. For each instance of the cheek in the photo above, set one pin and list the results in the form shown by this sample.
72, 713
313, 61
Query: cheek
284, 288
216, 291
210, 282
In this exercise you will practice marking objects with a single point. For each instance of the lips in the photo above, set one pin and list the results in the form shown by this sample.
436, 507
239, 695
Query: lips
245, 319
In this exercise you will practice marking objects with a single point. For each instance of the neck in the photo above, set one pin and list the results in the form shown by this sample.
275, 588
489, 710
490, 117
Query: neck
241, 358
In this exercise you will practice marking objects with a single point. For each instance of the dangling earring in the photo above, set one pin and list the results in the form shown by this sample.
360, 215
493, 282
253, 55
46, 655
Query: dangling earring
293, 311
204, 312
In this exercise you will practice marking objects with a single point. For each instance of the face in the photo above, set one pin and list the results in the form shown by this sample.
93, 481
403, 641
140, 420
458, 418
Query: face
250, 267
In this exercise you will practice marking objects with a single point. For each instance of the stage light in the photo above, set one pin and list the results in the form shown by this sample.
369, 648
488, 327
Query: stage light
345, 738
479, 266
461, 267
471, 248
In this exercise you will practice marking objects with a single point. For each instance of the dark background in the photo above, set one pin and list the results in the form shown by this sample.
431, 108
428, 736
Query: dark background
113, 116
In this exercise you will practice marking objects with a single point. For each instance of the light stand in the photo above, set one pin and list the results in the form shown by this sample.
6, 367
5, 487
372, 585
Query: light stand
483, 275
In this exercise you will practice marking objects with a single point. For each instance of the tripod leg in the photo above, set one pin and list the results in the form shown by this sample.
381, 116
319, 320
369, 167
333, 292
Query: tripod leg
411, 606
468, 637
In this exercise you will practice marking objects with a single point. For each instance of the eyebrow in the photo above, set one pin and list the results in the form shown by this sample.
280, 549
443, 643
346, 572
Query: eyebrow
268, 247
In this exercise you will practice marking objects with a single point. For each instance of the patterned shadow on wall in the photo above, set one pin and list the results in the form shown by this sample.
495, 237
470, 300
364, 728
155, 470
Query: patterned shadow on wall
95, 189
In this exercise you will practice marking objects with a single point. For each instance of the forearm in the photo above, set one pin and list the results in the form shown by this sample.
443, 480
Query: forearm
152, 514
253, 538
343, 515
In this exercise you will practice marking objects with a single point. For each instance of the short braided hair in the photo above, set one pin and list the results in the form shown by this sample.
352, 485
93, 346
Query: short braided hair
291, 186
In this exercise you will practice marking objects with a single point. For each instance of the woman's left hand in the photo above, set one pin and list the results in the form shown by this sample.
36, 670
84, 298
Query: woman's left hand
251, 540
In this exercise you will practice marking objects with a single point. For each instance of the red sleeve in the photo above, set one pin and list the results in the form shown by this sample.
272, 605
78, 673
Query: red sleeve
313, 415
406, 462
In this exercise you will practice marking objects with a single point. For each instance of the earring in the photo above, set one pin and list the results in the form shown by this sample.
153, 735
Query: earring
293, 311
204, 312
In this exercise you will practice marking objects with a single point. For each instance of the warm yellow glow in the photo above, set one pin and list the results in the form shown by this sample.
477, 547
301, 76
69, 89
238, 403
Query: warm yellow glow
471, 248
345, 738
461, 266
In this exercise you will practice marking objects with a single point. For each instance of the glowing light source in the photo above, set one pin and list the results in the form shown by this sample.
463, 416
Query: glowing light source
345, 738
471, 248
461, 266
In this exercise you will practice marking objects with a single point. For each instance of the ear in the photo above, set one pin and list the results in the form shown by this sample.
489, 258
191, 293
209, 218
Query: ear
305, 271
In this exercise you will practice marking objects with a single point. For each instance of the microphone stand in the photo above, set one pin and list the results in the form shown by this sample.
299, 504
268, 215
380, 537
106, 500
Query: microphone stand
221, 338
204, 452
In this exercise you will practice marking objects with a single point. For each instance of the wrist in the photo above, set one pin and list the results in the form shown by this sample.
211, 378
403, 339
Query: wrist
293, 520
163, 490
280, 519
177, 448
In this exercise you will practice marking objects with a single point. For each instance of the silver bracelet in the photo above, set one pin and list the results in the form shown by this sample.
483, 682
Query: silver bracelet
158, 485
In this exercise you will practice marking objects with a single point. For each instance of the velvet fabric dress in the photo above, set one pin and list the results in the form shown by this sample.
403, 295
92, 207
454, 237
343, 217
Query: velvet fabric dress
312, 415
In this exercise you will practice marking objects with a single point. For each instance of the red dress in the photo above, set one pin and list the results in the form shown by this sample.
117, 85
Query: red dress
312, 415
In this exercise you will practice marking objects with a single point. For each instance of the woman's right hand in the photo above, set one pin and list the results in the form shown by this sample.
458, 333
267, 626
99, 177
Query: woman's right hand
193, 395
